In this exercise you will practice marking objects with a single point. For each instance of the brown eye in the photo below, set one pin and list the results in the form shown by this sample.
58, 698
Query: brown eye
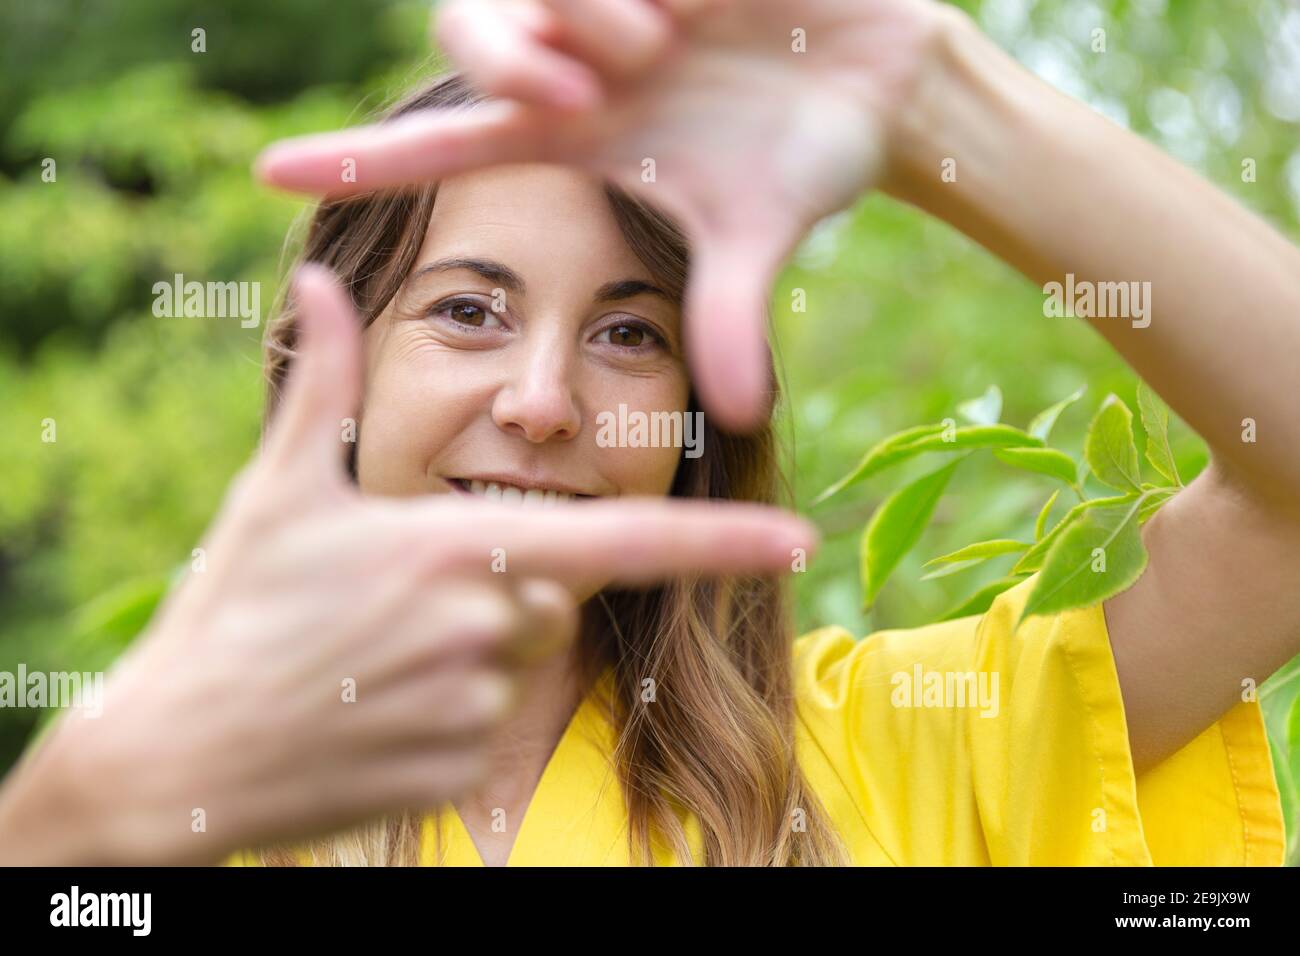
633, 337
628, 336
467, 313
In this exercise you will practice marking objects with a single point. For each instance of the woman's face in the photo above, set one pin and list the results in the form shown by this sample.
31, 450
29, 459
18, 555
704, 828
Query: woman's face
525, 316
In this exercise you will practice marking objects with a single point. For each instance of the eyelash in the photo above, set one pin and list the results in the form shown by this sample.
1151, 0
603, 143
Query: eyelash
445, 307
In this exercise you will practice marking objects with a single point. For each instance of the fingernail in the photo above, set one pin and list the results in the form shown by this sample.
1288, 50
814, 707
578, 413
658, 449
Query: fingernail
266, 163
309, 272
801, 534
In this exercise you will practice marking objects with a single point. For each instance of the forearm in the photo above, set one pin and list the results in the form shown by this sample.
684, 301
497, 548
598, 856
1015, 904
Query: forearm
1054, 188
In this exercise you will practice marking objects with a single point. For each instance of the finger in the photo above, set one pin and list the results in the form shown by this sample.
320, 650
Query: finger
726, 331
414, 779
324, 386
426, 145
452, 705
425, 777
550, 622
501, 56
628, 539
515, 623
459, 619
617, 37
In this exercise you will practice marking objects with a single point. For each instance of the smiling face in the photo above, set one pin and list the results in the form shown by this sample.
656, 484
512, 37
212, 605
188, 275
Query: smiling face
525, 316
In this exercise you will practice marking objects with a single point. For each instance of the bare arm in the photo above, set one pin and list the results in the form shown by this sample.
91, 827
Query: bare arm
1054, 188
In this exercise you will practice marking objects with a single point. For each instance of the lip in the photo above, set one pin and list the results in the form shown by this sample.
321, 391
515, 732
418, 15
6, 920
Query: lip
519, 481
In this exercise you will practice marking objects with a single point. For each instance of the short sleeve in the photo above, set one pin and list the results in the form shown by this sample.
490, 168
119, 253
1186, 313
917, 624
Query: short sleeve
973, 742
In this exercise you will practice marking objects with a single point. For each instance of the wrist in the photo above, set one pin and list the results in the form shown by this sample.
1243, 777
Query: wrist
956, 116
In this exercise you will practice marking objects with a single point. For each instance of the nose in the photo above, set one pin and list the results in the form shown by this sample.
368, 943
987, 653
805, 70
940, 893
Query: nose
537, 401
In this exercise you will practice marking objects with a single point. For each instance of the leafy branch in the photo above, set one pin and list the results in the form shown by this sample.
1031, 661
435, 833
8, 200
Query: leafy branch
1094, 552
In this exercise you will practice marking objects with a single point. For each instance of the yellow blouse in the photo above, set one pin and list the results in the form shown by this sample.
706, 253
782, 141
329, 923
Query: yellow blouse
960, 743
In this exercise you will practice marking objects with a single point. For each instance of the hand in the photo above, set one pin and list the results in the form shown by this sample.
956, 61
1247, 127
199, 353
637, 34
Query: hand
233, 701
751, 141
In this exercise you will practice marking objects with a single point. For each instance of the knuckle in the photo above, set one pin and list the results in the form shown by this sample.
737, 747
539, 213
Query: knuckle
550, 603
656, 35
485, 697
480, 614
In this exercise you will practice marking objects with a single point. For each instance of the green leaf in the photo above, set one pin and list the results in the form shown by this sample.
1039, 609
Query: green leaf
1109, 448
1032, 560
1041, 523
1287, 791
1286, 764
1042, 461
944, 570
1155, 419
897, 525
1152, 501
971, 555
1070, 577
1293, 730
1042, 423
1279, 696
112, 620
980, 601
880, 456
981, 550
908, 444
976, 436
985, 410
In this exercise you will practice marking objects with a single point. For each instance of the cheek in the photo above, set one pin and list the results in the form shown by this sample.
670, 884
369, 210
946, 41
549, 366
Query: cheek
640, 470
411, 412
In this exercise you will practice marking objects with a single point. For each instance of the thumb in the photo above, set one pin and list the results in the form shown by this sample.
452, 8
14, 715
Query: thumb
314, 428
726, 318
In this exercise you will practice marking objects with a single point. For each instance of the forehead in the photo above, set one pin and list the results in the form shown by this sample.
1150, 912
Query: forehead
537, 219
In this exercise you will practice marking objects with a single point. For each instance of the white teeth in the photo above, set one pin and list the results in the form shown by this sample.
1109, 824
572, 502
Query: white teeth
534, 497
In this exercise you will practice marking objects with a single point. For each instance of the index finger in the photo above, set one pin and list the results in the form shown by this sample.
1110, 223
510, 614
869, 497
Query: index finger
424, 145
631, 540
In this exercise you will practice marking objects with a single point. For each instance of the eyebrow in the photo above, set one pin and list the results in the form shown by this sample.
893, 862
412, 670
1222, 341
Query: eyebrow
510, 280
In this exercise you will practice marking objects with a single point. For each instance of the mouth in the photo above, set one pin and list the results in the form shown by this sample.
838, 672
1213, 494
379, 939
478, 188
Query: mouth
530, 495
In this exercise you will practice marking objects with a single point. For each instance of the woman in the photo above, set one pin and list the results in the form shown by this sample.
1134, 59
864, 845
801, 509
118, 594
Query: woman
505, 306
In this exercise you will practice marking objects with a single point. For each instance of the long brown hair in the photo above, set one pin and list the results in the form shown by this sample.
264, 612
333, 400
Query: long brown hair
718, 742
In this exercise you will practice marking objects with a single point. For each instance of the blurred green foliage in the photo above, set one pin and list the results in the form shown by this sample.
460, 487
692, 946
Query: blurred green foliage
153, 142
